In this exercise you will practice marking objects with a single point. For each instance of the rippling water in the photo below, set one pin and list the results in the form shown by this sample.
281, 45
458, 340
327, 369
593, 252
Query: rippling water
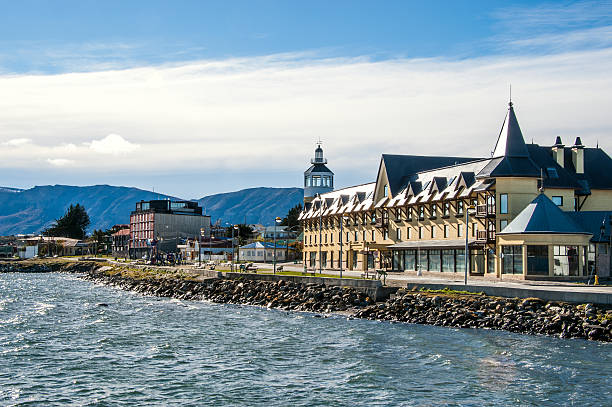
59, 345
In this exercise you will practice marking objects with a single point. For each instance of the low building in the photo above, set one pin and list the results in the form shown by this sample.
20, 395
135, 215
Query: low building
263, 252
120, 242
164, 224
281, 233
422, 211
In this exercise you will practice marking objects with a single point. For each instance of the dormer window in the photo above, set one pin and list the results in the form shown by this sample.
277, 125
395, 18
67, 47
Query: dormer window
459, 207
434, 210
446, 209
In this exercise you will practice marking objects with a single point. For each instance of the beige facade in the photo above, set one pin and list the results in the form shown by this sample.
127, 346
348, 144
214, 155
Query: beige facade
413, 217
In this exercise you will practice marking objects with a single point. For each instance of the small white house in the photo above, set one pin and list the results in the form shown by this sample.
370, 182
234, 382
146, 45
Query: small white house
262, 252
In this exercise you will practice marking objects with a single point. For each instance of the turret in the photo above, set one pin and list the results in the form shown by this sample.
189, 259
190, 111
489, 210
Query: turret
318, 179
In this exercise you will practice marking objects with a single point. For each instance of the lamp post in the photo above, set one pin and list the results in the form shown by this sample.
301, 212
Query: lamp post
202, 233
235, 227
320, 233
343, 218
276, 222
467, 228
210, 247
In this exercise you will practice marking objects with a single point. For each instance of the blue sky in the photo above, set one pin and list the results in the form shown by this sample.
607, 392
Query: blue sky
149, 93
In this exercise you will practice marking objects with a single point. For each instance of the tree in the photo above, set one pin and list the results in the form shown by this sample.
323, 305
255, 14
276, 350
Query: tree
244, 232
291, 220
72, 225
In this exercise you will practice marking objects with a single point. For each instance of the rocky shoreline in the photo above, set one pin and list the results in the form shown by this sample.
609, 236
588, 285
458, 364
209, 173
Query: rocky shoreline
450, 309
526, 316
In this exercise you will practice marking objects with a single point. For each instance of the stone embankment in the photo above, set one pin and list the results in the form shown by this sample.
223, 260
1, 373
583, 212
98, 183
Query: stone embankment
281, 294
451, 309
527, 316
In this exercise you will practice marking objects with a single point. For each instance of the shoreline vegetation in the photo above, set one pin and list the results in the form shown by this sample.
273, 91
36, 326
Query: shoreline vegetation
441, 307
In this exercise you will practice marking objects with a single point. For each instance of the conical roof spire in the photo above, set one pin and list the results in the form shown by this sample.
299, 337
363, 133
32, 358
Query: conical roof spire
510, 142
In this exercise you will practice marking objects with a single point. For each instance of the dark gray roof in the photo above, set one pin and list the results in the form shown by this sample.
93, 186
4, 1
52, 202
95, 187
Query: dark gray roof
510, 142
401, 167
542, 216
597, 167
591, 221
555, 176
318, 168
510, 167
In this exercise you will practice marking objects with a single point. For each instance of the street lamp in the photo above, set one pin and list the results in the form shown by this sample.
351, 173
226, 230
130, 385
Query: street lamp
202, 233
343, 218
468, 210
320, 233
235, 227
276, 222
210, 247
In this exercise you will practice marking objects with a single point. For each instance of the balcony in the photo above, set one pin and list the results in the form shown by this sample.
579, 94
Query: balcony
487, 236
485, 210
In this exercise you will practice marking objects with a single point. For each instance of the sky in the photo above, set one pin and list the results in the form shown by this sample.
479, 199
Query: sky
193, 98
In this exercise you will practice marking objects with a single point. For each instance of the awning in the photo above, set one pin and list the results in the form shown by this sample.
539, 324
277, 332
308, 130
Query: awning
432, 244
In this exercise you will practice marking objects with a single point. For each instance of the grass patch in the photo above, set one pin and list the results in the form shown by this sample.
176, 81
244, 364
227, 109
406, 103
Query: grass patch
302, 274
448, 291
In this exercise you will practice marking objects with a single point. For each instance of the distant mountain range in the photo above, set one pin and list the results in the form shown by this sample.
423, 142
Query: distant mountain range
31, 210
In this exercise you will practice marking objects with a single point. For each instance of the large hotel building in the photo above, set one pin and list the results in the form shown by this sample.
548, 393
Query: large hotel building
528, 211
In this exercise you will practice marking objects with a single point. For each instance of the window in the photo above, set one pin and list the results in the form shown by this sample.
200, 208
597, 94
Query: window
315, 239
386, 190
434, 260
448, 260
557, 200
331, 238
502, 224
356, 236
348, 237
446, 212
552, 172
364, 236
537, 260
373, 235
399, 234
386, 234
365, 218
409, 214
316, 180
434, 210
433, 231
474, 228
421, 212
512, 259
445, 231
566, 261
459, 207
409, 233
459, 230
420, 232
503, 203
373, 219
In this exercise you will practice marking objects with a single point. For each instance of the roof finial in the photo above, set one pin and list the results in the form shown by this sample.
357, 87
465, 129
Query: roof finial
510, 103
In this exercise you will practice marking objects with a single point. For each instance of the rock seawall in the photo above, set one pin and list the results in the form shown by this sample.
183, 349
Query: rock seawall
527, 316
282, 294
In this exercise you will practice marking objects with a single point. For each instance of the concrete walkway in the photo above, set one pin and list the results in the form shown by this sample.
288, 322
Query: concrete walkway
547, 290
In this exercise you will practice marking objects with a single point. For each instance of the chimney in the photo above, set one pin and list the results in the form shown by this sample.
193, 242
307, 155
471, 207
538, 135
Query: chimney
558, 152
578, 156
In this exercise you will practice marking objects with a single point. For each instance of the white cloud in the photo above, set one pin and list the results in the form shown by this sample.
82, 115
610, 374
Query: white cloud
113, 144
266, 113
16, 142
59, 162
